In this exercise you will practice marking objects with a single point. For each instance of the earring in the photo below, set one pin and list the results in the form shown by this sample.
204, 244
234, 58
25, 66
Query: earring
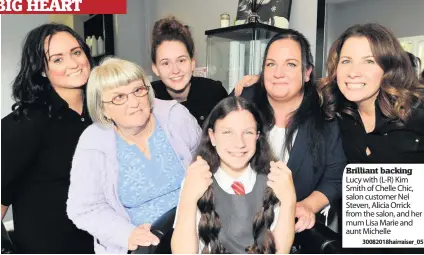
213, 144
43, 74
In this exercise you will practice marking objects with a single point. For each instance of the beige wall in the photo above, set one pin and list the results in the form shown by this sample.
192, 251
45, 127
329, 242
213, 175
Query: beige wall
76, 22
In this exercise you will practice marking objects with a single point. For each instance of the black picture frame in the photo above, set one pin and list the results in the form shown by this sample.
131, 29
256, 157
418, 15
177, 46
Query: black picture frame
320, 40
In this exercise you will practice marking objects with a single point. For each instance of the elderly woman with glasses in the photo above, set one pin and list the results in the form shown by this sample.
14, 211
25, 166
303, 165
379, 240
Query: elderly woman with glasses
129, 164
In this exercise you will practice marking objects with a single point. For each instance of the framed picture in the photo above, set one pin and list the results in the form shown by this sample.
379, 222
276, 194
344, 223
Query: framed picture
272, 12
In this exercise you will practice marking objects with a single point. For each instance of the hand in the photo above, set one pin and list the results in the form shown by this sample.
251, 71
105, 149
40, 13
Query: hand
198, 179
141, 236
305, 216
246, 81
281, 181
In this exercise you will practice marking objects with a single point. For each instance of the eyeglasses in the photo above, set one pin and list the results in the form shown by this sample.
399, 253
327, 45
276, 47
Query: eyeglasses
122, 98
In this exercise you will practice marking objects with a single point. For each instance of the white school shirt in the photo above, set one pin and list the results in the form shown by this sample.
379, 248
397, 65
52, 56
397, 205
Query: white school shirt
277, 140
248, 178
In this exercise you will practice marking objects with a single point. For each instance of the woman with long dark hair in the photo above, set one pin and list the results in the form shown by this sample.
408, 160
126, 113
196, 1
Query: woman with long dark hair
300, 136
235, 197
373, 90
39, 138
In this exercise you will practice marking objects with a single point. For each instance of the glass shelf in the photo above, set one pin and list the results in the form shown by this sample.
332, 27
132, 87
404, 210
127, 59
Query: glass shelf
233, 52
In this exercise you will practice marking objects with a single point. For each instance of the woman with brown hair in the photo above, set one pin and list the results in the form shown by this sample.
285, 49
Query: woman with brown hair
172, 54
373, 90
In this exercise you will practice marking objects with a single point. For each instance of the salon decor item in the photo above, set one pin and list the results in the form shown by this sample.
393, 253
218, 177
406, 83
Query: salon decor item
100, 29
100, 46
225, 20
272, 12
236, 51
94, 46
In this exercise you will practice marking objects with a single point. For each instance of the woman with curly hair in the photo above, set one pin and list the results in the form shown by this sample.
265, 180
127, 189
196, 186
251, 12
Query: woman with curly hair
39, 139
373, 90
235, 197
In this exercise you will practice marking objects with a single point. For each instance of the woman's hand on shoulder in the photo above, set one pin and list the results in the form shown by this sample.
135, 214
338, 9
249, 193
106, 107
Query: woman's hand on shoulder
197, 181
281, 181
246, 81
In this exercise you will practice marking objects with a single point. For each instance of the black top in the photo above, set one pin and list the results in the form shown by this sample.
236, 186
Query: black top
388, 143
36, 161
204, 94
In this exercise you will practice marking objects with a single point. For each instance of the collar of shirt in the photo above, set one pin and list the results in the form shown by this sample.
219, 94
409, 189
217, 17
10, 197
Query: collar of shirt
59, 105
248, 179
383, 124
164, 94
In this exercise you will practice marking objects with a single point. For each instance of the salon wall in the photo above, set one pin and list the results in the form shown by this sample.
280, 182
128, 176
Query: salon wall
13, 30
134, 28
404, 17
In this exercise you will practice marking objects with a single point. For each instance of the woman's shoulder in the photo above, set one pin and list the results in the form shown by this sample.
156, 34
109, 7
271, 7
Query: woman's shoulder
205, 81
328, 128
416, 122
96, 137
31, 118
171, 111
209, 87
164, 107
254, 92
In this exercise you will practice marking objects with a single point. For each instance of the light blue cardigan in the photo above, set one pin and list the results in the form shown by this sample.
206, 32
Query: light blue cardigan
93, 203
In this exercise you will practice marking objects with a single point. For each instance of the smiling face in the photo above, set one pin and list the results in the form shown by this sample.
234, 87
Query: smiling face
134, 112
174, 65
67, 66
235, 138
358, 74
283, 71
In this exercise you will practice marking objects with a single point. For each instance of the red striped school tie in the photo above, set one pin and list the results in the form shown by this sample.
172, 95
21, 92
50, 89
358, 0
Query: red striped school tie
238, 188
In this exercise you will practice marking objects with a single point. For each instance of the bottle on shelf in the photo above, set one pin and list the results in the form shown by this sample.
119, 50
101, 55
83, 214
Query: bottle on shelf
100, 46
88, 42
94, 51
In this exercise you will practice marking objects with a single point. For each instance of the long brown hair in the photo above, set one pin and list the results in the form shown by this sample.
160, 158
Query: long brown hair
400, 89
209, 225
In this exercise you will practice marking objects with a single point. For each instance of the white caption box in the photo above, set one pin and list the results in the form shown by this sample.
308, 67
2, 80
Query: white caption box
383, 206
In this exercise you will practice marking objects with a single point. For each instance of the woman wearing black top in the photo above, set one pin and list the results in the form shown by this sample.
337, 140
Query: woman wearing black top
173, 61
39, 138
374, 91
299, 134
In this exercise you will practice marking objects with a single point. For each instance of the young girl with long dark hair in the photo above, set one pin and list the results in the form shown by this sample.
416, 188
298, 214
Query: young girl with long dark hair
235, 197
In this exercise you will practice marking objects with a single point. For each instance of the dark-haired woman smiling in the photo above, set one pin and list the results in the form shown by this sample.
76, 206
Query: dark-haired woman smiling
300, 136
374, 92
39, 139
